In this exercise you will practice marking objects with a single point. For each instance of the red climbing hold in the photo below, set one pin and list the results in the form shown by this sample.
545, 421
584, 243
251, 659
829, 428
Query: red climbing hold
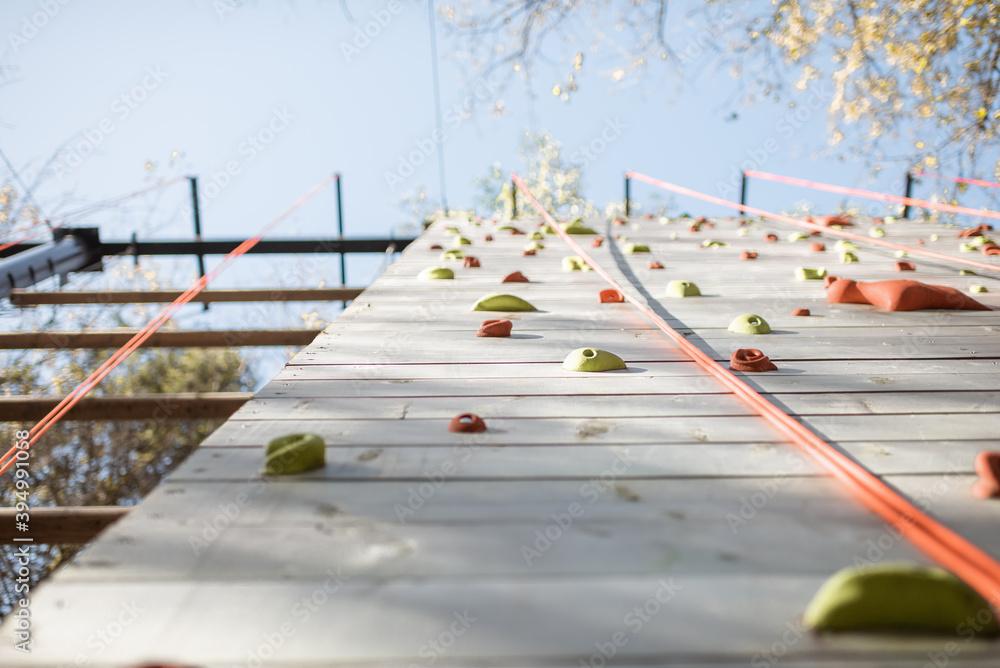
488, 237
829, 221
619, 221
920, 242
987, 466
471, 261
435, 247
905, 266
514, 230
516, 277
770, 237
694, 227
979, 231
527, 252
611, 296
748, 255
900, 295
801, 311
817, 247
750, 359
596, 243
990, 249
495, 328
654, 265
467, 422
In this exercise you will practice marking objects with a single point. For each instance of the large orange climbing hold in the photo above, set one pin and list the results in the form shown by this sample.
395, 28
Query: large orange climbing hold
471, 261
748, 255
596, 243
990, 249
467, 422
816, 247
987, 466
905, 266
495, 328
611, 296
515, 277
979, 231
830, 221
900, 295
750, 359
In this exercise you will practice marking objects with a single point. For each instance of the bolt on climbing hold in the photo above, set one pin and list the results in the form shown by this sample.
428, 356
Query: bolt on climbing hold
529, 252
680, 289
967, 248
610, 296
574, 263
654, 265
596, 243
712, 243
451, 230
592, 359
488, 237
796, 236
577, 227
876, 232
743, 231
467, 423
750, 360
987, 467
748, 255
499, 328
453, 254
515, 277
905, 266
967, 272
535, 245
471, 262
901, 254
502, 302
848, 257
536, 236
636, 248
896, 597
618, 221
436, 273
807, 274
977, 288
900, 295
934, 237
460, 241
435, 247
295, 453
845, 245
817, 247
801, 312
770, 237
749, 323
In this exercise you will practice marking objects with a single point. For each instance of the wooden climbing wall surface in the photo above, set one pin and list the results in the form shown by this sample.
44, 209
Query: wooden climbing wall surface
643, 516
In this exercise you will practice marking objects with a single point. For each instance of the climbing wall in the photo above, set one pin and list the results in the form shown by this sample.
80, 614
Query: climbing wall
639, 516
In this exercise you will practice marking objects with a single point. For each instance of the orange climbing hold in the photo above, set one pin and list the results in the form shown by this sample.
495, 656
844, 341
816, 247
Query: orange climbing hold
817, 247
528, 252
829, 221
471, 261
801, 311
748, 255
515, 231
435, 247
979, 231
611, 296
750, 359
899, 295
515, 277
488, 237
990, 249
495, 328
771, 237
654, 265
596, 243
905, 266
619, 221
987, 466
466, 423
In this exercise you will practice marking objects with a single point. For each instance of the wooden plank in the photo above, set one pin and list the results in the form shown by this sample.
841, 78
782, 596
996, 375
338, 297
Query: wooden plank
177, 406
25, 298
163, 339
58, 526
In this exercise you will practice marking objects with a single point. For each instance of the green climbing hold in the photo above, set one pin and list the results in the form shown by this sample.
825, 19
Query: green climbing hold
506, 227
592, 359
967, 272
574, 263
977, 288
934, 237
712, 243
295, 453
876, 232
889, 220
797, 236
844, 245
681, 289
901, 254
976, 242
502, 302
577, 227
636, 248
748, 323
459, 240
432, 273
967, 248
743, 231
453, 254
451, 230
807, 274
898, 597
534, 245
847, 257
536, 236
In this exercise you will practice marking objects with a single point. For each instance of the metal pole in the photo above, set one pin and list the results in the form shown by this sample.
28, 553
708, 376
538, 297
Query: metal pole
513, 200
743, 192
196, 214
628, 203
340, 234
909, 193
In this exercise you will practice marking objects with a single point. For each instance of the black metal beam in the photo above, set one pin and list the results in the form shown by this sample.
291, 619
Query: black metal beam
223, 247
70, 250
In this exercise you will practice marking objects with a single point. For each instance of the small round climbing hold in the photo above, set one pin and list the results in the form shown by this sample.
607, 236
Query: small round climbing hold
451, 230
797, 236
901, 254
592, 360
801, 312
876, 232
596, 243
848, 257
977, 288
488, 237
844, 245
574, 263
897, 597
748, 255
471, 262
502, 302
934, 237
453, 254
771, 237
514, 231
528, 253
967, 272
750, 360
636, 248
536, 236
807, 274
461, 241
987, 467
712, 243
577, 227
749, 323
610, 296
817, 247
680, 289
295, 453
467, 423
500, 327
436, 273
619, 221
435, 247
742, 231
905, 266
654, 265
515, 277
535, 245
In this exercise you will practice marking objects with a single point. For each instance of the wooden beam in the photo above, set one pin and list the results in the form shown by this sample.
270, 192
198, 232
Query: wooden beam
227, 338
24, 298
59, 526
182, 406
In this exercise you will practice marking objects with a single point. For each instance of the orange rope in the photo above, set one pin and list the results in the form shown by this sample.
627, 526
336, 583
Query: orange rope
7, 460
966, 560
921, 203
810, 226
